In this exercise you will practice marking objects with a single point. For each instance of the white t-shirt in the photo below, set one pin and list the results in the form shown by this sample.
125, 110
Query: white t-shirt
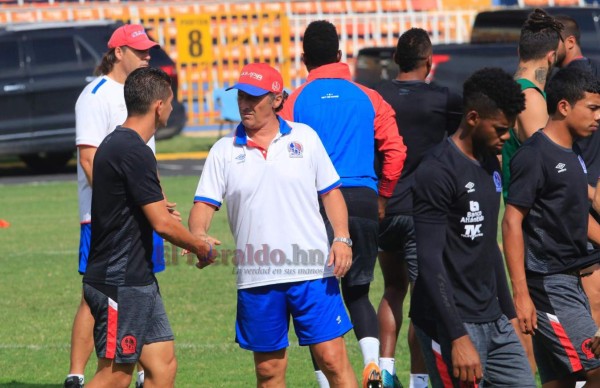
272, 203
100, 108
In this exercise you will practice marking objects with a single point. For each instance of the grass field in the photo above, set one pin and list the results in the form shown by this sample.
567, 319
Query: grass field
41, 289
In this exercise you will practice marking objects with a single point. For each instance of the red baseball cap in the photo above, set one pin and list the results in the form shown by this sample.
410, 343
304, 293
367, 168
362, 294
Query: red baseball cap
257, 79
132, 35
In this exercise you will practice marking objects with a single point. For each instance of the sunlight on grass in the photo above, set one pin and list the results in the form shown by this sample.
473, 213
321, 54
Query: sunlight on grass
41, 290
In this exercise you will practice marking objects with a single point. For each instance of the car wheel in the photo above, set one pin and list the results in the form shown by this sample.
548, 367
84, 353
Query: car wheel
46, 161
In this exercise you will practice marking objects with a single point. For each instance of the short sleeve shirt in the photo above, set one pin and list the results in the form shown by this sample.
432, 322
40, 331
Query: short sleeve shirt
272, 203
100, 108
125, 179
551, 182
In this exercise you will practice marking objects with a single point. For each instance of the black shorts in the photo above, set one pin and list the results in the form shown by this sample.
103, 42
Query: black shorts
364, 228
397, 234
126, 320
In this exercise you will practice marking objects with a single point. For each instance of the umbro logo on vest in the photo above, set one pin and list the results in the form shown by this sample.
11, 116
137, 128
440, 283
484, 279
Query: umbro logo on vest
470, 187
561, 167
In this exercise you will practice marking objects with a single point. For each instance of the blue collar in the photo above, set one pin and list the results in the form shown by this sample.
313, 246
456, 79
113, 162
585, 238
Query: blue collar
242, 139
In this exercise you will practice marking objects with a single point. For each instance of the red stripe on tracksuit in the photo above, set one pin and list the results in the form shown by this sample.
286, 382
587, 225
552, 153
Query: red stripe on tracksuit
441, 365
111, 329
562, 336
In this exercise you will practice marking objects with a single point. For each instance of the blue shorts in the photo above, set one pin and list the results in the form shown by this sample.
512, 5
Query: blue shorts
85, 240
263, 314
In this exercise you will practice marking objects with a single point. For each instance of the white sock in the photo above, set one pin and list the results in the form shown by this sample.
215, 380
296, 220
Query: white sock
321, 379
140, 377
80, 377
369, 346
387, 364
418, 381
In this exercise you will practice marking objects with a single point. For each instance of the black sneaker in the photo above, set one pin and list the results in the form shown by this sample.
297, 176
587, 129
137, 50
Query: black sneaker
139, 385
73, 382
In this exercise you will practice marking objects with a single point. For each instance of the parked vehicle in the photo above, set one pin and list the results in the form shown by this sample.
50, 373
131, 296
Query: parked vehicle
44, 68
494, 40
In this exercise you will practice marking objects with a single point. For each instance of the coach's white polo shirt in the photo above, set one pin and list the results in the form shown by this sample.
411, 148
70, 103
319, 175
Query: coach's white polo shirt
272, 203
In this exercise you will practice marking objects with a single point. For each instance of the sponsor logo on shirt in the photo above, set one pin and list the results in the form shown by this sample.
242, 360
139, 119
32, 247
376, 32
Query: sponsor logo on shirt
497, 181
295, 149
561, 167
241, 158
470, 187
472, 230
338, 320
582, 163
329, 95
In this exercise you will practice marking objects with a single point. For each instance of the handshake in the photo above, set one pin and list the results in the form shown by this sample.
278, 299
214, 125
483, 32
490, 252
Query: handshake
205, 251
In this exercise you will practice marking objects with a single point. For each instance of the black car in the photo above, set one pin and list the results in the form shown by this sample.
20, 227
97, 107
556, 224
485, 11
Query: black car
45, 66
494, 40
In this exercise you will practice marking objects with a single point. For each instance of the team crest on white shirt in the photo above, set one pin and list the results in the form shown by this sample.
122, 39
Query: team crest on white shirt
295, 149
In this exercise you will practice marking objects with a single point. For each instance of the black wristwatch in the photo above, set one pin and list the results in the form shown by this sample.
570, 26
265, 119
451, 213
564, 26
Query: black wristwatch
345, 240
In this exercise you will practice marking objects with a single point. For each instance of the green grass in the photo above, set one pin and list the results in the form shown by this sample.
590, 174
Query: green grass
182, 143
41, 289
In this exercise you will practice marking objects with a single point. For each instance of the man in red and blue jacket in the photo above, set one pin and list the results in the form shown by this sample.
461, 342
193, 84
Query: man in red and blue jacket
354, 123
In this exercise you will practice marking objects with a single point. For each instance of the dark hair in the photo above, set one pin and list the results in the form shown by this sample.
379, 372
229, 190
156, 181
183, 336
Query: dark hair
144, 86
320, 44
540, 34
284, 96
570, 28
491, 89
570, 84
413, 47
108, 62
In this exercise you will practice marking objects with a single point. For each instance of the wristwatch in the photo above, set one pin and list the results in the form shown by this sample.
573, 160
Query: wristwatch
345, 240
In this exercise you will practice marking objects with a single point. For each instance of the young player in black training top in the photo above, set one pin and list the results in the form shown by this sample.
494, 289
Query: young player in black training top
545, 231
425, 114
127, 204
461, 272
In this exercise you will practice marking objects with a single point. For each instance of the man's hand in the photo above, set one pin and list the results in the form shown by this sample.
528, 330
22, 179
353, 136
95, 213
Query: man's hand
595, 344
211, 254
466, 365
340, 254
526, 313
381, 204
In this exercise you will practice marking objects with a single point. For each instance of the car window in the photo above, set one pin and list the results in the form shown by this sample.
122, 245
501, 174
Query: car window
10, 60
53, 51
87, 57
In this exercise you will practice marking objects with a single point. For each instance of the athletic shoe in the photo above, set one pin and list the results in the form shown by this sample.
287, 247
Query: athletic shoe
139, 385
390, 380
73, 382
372, 376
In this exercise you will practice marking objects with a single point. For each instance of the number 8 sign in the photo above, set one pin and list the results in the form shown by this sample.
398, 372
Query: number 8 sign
194, 42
